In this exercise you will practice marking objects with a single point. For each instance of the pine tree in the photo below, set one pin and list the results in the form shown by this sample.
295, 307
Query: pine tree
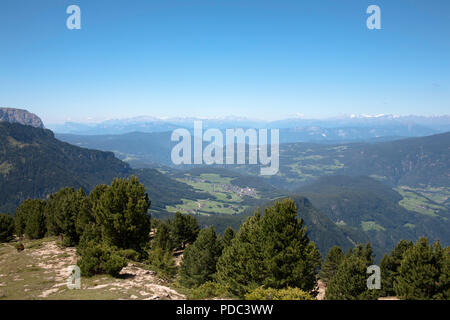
241, 266
61, 214
350, 281
163, 238
35, 227
184, 229
30, 209
6, 228
121, 212
419, 275
271, 251
228, 235
390, 265
199, 260
331, 264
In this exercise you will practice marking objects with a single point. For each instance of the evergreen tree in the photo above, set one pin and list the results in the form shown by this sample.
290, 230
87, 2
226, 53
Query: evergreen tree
228, 235
271, 251
122, 214
35, 227
350, 281
199, 260
163, 238
184, 229
330, 266
61, 214
419, 275
162, 261
241, 266
390, 265
29, 208
6, 228
84, 216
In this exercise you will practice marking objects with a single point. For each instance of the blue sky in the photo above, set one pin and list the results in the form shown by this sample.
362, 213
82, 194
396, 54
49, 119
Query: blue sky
260, 59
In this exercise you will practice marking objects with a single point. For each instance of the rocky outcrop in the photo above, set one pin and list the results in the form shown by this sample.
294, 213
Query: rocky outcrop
20, 116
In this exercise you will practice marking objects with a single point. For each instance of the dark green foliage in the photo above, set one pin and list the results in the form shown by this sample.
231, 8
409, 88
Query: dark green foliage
273, 251
390, 265
199, 260
184, 229
62, 211
29, 219
100, 259
162, 261
422, 273
163, 238
36, 227
358, 200
122, 214
38, 165
228, 235
332, 262
350, 281
6, 228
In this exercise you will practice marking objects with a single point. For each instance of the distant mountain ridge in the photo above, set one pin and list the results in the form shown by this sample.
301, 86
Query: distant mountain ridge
21, 116
337, 129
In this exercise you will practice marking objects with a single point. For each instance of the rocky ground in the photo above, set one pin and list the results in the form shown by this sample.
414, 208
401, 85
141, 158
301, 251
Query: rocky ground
41, 272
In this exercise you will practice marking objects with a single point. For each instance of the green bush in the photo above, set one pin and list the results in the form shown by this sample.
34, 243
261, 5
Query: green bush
278, 294
162, 261
6, 228
209, 290
101, 259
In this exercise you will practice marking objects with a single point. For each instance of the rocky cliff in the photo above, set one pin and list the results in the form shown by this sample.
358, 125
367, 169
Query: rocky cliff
20, 116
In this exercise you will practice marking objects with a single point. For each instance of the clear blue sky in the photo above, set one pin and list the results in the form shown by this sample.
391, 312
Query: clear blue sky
254, 58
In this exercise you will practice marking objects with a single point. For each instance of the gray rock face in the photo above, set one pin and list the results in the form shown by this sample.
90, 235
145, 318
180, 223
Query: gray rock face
20, 116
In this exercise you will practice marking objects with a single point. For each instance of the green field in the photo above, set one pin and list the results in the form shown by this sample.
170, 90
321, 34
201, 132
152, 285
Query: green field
225, 197
418, 201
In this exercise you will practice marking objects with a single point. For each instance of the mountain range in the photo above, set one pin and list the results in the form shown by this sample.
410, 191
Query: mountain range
346, 193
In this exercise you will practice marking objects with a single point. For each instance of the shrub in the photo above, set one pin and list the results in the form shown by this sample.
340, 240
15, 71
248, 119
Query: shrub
6, 228
101, 259
209, 290
162, 261
278, 294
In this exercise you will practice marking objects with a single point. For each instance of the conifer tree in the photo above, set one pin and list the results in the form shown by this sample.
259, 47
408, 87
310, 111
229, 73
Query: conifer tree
271, 251
330, 266
61, 214
30, 208
35, 227
390, 265
350, 281
6, 228
163, 238
419, 275
122, 214
228, 235
184, 229
199, 260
